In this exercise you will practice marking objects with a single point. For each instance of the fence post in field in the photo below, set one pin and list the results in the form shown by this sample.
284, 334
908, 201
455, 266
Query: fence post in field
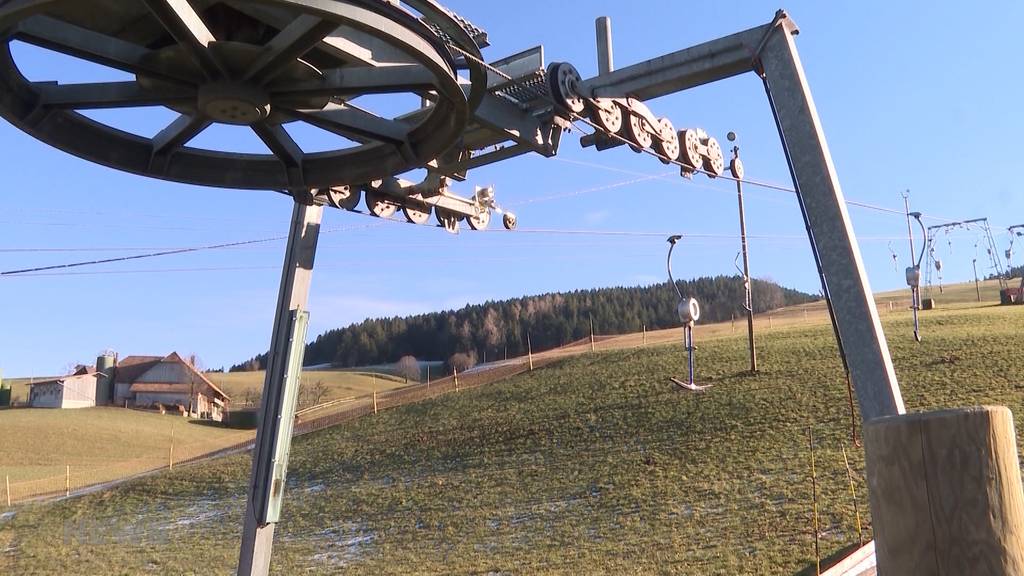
428, 376
7, 482
170, 451
374, 401
455, 371
529, 350
592, 349
645, 334
945, 491
769, 321
67, 480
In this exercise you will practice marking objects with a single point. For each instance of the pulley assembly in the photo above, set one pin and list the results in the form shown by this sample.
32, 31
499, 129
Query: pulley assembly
629, 121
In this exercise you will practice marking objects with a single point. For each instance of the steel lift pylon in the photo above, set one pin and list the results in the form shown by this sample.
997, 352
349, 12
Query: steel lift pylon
268, 64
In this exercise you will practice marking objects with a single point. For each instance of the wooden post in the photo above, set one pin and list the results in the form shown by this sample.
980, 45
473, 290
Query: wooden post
890, 305
170, 450
592, 349
456, 372
7, 482
374, 401
428, 376
853, 497
769, 321
645, 334
529, 350
67, 480
945, 490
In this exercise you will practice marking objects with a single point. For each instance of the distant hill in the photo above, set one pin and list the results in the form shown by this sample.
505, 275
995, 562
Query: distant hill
493, 329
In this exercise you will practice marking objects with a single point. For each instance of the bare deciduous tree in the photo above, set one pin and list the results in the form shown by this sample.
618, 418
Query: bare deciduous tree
409, 368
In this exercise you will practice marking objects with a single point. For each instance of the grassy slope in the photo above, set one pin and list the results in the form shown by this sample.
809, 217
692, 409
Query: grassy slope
339, 384
594, 465
40, 442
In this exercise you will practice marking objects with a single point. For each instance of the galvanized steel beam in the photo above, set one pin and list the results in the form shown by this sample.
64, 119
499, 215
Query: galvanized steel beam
267, 479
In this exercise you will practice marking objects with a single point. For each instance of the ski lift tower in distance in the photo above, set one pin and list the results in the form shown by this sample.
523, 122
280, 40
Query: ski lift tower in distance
689, 312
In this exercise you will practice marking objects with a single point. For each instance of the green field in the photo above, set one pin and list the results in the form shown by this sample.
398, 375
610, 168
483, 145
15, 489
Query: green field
595, 464
39, 442
339, 384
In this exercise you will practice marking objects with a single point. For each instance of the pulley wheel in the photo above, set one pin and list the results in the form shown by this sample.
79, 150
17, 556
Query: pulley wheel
416, 213
509, 221
690, 149
736, 168
447, 219
260, 65
480, 220
714, 162
563, 84
380, 205
668, 147
636, 132
343, 197
608, 117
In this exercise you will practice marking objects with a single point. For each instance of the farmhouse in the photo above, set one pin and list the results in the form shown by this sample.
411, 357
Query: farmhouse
76, 390
145, 381
136, 381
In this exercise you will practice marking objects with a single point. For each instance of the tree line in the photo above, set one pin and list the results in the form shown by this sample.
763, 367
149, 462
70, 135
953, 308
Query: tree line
496, 329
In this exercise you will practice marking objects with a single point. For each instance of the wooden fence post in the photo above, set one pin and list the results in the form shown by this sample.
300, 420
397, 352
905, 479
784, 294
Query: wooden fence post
853, 496
67, 480
7, 481
170, 451
455, 371
374, 401
645, 334
945, 492
529, 350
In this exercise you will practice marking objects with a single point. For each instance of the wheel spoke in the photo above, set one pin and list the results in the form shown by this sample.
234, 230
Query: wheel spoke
186, 26
178, 133
363, 80
291, 43
72, 40
108, 95
353, 123
284, 147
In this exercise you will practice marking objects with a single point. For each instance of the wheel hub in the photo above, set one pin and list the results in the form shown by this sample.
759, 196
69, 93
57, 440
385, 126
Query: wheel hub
234, 103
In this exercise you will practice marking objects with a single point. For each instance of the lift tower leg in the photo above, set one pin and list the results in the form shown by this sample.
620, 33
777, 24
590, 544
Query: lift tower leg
829, 226
277, 410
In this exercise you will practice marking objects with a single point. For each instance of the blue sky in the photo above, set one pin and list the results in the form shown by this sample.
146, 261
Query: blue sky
910, 98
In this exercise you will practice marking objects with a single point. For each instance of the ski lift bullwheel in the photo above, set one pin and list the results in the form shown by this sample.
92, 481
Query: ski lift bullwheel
263, 65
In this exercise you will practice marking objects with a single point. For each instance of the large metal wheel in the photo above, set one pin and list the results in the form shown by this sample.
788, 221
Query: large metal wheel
563, 84
263, 64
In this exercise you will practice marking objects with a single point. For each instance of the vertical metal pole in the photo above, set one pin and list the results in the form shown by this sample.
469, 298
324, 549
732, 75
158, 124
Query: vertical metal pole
688, 337
828, 225
915, 291
746, 272
297, 272
605, 60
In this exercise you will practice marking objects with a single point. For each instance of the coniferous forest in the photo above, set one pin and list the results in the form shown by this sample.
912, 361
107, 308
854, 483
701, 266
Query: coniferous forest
492, 329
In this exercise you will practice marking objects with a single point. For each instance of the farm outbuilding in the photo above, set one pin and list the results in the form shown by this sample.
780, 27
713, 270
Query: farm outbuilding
145, 381
76, 390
